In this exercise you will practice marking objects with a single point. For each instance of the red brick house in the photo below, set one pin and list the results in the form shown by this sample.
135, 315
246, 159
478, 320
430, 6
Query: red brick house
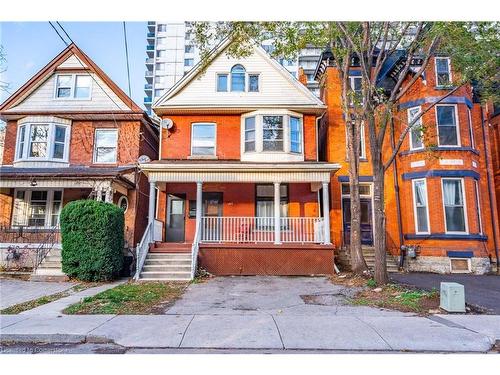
71, 134
439, 194
240, 186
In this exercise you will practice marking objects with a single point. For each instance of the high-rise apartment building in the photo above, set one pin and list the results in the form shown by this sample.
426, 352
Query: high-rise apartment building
171, 53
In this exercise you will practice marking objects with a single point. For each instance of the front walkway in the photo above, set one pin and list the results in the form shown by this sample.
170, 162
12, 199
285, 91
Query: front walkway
262, 313
14, 291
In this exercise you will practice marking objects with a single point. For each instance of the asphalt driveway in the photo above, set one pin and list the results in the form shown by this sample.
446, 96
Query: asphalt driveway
14, 291
480, 290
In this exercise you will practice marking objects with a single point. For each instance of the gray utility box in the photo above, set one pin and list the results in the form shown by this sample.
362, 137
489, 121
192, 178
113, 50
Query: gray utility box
452, 297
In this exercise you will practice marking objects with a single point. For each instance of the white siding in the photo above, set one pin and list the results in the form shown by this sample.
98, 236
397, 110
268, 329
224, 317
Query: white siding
276, 87
73, 62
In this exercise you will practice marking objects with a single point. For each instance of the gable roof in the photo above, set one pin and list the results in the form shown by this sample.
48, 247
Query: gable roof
309, 99
87, 64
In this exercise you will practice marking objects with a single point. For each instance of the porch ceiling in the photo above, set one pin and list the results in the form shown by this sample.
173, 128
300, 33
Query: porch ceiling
235, 171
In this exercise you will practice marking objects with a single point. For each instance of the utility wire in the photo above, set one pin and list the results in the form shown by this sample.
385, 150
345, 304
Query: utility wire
126, 56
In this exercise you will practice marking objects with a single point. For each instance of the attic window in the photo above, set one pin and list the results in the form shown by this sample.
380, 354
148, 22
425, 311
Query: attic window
73, 86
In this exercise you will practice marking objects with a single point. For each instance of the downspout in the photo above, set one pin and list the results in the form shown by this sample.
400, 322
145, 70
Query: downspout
318, 119
490, 193
398, 202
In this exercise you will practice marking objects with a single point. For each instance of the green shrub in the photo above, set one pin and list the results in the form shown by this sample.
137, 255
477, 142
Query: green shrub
92, 240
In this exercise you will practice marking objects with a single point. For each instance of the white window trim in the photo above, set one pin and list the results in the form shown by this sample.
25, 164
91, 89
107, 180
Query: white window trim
48, 205
478, 203
351, 85
215, 140
469, 268
465, 205
436, 72
419, 124
457, 124
73, 86
94, 156
217, 74
50, 142
415, 215
471, 129
123, 198
259, 132
362, 144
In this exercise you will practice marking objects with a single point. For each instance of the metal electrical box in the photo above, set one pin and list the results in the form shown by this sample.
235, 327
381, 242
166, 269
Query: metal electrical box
452, 297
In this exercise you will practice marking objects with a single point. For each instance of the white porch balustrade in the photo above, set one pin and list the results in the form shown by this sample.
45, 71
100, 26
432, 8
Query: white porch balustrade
228, 229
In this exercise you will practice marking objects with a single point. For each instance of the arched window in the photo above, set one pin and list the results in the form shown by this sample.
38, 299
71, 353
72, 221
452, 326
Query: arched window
238, 78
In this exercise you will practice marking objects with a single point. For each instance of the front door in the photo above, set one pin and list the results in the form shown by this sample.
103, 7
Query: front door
366, 220
176, 218
212, 210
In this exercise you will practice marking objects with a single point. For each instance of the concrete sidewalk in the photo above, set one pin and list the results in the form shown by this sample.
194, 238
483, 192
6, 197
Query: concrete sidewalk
445, 333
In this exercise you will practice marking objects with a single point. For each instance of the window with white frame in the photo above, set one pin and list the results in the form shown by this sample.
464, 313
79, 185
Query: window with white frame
73, 86
272, 129
355, 82
420, 206
37, 208
454, 205
295, 134
105, 146
188, 48
238, 78
471, 129
416, 135
447, 125
203, 139
478, 205
221, 82
188, 62
253, 83
44, 142
249, 137
443, 71
362, 142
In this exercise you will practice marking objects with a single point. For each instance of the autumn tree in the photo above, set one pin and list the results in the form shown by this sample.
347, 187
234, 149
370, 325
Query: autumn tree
473, 47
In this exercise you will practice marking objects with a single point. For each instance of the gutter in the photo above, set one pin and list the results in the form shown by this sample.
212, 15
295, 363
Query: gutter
490, 192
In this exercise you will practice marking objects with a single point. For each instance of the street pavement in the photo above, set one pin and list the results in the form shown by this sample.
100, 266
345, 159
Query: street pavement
273, 314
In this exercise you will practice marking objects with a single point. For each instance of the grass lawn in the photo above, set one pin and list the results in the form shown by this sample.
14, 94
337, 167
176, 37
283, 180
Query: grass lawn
397, 297
131, 298
28, 305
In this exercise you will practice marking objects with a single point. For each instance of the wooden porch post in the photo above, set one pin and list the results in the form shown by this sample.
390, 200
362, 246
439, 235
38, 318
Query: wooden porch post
151, 212
277, 226
199, 199
326, 214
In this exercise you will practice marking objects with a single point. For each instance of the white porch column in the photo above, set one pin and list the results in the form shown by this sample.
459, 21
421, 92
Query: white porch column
326, 214
199, 195
277, 226
98, 194
109, 195
151, 209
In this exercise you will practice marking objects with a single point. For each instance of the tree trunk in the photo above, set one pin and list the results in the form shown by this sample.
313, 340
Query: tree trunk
379, 232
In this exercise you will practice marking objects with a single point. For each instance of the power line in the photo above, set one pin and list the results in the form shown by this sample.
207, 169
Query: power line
126, 56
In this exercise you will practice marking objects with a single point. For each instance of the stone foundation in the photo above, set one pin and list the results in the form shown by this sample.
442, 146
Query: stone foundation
479, 266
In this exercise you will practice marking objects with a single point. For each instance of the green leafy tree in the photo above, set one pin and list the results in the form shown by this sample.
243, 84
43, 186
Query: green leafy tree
472, 46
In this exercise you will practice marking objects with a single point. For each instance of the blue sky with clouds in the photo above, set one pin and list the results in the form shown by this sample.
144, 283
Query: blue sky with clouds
29, 46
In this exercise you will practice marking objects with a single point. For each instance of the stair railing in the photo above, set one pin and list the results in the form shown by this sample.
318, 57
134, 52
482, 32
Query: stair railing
142, 250
194, 250
45, 246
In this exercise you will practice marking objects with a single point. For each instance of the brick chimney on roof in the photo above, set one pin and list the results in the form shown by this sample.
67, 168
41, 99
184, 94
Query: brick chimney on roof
302, 76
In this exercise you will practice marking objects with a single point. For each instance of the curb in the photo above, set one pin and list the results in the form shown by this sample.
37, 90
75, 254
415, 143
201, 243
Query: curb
54, 338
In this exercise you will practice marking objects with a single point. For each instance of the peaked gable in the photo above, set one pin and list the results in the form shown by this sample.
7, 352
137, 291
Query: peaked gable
38, 93
277, 87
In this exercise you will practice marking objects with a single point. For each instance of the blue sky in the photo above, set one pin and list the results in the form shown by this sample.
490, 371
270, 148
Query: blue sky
31, 45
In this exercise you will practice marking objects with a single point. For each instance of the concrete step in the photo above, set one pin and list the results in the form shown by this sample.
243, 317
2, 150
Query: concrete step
167, 268
56, 278
181, 279
49, 271
173, 262
165, 256
163, 275
52, 258
51, 264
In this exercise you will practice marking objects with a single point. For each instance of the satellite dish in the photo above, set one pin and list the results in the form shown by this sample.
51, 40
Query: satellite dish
166, 123
144, 159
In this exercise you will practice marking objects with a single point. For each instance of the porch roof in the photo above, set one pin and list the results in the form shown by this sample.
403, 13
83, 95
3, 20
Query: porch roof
69, 177
237, 171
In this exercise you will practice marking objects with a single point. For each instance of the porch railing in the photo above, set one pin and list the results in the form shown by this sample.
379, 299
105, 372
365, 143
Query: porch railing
261, 229
142, 250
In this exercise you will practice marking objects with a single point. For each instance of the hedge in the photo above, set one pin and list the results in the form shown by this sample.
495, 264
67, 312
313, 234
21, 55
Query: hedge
92, 240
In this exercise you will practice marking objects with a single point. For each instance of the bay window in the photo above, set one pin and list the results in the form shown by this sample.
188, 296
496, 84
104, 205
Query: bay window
420, 206
250, 134
454, 205
295, 134
37, 208
105, 145
203, 139
44, 142
73, 86
447, 125
416, 129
